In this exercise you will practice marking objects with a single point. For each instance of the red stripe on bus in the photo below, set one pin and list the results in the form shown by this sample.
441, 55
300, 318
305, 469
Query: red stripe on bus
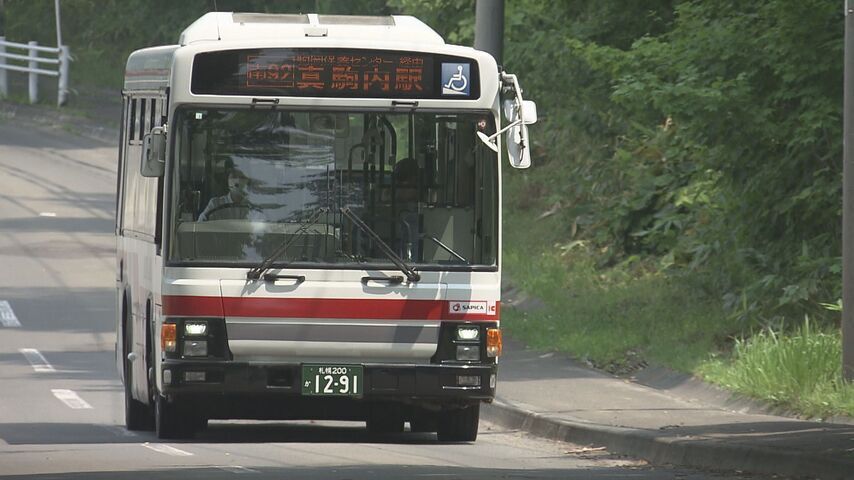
390, 309
192, 306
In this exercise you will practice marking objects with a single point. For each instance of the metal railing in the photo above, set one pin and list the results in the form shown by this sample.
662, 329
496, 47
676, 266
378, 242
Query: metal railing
60, 57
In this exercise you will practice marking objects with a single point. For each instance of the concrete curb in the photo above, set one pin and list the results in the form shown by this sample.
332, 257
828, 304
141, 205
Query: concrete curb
663, 448
689, 388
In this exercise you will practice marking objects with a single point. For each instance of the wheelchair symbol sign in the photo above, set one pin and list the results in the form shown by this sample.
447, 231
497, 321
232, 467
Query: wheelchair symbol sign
455, 79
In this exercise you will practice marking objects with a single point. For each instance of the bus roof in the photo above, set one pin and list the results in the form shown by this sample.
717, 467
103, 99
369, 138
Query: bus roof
158, 69
230, 26
149, 68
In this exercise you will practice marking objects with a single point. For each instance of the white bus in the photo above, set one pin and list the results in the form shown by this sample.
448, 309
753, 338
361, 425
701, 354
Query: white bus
309, 225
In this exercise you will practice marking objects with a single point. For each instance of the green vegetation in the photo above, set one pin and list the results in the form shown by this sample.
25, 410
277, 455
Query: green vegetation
687, 181
616, 318
102, 33
800, 370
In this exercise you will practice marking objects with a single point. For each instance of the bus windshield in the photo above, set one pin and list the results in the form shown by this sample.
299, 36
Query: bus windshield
246, 181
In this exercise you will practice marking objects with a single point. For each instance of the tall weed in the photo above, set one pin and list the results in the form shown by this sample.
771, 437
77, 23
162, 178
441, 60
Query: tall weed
800, 370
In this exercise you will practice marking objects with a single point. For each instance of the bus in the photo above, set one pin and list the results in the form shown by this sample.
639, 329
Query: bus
308, 225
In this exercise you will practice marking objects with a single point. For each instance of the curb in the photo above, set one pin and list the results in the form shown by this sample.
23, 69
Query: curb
661, 448
692, 389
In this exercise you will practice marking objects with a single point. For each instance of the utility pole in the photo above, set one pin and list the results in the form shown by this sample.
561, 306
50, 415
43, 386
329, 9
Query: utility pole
58, 27
848, 198
489, 27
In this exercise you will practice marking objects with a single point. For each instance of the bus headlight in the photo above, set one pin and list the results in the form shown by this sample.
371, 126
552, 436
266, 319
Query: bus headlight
195, 329
468, 333
195, 348
470, 353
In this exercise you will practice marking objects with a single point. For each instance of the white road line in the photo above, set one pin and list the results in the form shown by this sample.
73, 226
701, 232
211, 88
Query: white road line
166, 449
37, 360
70, 398
7, 315
235, 469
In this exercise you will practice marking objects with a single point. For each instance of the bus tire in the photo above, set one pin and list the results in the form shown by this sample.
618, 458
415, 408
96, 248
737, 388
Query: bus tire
459, 425
170, 423
138, 416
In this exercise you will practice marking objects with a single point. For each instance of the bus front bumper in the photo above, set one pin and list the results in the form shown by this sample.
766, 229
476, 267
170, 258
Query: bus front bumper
440, 382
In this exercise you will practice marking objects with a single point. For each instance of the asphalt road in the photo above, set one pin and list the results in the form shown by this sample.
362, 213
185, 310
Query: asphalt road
61, 410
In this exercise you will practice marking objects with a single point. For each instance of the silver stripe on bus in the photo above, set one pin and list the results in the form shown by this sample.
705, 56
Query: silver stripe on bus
302, 351
318, 332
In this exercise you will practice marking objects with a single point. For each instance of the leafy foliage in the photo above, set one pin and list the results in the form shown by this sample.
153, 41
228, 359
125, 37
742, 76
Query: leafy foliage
696, 135
710, 140
102, 33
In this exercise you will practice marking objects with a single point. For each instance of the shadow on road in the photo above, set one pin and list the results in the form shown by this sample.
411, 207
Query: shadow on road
91, 310
367, 472
216, 433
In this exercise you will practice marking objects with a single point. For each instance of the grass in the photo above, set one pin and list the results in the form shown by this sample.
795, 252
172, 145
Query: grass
616, 320
800, 370
622, 316
92, 70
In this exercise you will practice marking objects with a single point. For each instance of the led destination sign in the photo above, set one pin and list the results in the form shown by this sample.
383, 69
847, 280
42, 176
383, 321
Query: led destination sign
334, 73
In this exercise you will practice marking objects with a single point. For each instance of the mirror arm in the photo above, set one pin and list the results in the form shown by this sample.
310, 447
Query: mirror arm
508, 127
491, 141
510, 78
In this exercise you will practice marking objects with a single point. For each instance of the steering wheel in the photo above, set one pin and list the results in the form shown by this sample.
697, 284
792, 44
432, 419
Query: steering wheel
231, 211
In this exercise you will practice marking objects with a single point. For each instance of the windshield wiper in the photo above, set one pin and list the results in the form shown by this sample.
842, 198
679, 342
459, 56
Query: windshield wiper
256, 272
447, 248
410, 272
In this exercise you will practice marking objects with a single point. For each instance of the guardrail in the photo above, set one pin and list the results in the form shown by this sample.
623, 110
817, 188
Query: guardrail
61, 57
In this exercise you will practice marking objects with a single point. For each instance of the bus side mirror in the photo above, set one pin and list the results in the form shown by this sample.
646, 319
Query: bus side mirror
519, 114
518, 142
529, 111
154, 153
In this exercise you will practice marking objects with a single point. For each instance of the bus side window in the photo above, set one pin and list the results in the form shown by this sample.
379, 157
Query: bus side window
162, 112
120, 167
141, 119
131, 119
152, 121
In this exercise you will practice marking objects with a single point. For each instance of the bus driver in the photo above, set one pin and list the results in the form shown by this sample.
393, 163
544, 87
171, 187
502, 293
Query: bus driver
236, 196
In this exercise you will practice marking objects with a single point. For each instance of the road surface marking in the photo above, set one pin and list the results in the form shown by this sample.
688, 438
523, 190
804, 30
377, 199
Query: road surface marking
47, 214
7, 315
235, 469
37, 360
161, 448
70, 398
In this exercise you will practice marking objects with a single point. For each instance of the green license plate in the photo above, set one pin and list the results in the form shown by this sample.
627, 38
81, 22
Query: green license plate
332, 379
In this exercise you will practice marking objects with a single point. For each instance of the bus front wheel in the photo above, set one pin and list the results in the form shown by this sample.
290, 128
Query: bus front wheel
170, 421
459, 425
138, 416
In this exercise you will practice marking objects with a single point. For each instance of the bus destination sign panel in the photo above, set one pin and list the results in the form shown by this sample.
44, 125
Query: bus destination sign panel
380, 73
330, 73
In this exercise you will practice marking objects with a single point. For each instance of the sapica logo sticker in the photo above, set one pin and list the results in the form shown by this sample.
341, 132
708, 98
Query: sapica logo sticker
455, 79
463, 308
